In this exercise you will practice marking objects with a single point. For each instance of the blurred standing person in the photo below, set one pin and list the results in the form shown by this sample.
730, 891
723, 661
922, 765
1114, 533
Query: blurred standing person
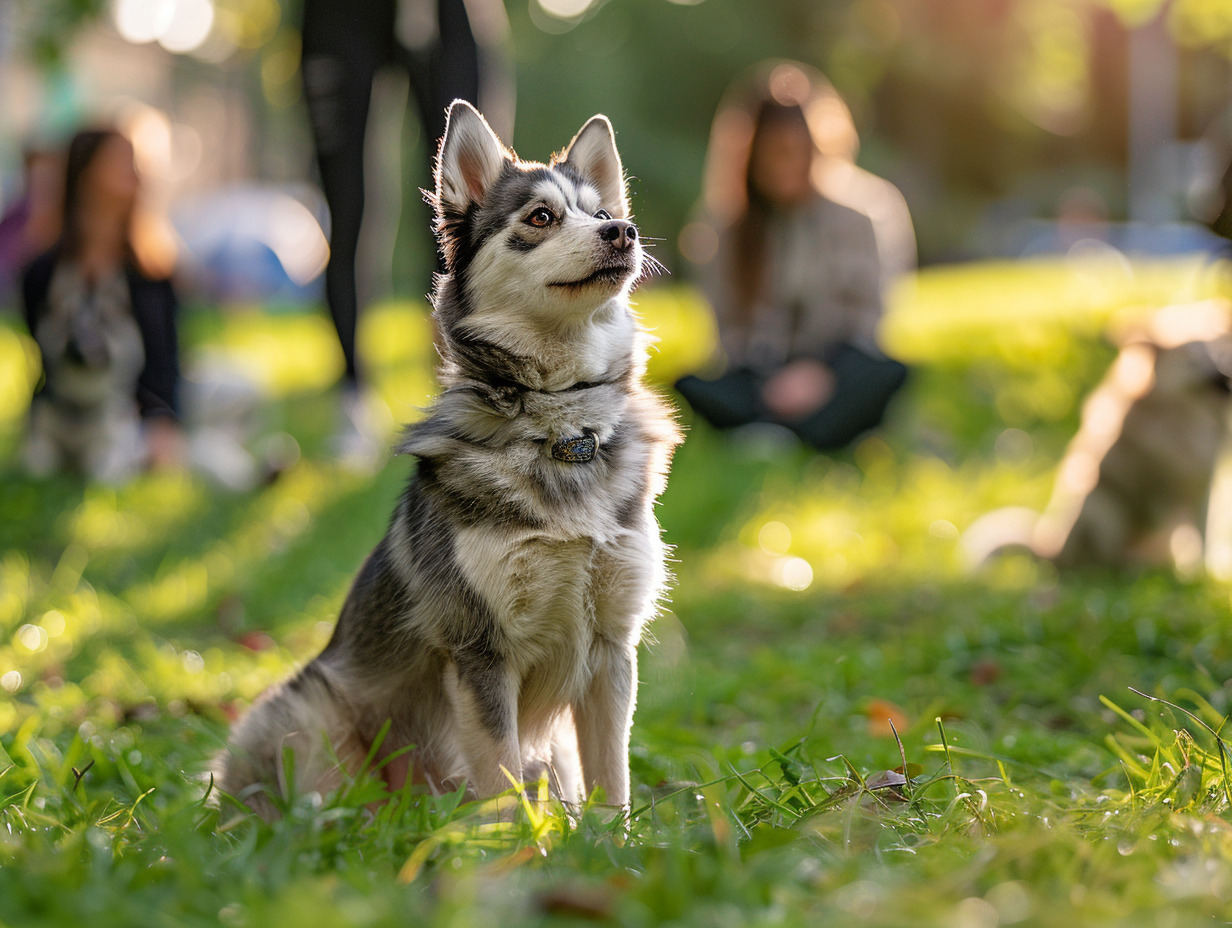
794, 277
449, 49
101, 307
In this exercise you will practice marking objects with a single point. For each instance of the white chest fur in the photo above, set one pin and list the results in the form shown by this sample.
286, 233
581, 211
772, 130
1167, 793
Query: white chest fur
553, 596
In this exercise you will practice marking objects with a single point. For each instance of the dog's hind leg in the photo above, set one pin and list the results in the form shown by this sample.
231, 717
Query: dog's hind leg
300, 738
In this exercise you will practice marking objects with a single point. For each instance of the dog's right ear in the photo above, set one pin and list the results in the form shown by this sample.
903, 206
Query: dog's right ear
470, 160
593, 152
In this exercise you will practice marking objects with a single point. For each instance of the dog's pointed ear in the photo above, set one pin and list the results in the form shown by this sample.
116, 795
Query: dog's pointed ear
593, 154
470, 160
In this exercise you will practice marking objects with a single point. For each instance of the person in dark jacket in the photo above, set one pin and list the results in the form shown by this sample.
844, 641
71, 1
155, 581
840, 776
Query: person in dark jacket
103, 313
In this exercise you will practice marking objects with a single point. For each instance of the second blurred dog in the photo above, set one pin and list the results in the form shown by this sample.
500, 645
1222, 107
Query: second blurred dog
1134, 485
85, 418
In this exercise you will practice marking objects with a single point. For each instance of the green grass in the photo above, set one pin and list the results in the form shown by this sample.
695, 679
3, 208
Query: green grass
837, 721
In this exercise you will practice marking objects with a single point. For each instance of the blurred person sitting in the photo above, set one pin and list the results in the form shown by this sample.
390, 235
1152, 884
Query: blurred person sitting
794, 277
102, 309
31, 225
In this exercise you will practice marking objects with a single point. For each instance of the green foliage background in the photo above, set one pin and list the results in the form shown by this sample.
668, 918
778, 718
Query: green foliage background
962, 104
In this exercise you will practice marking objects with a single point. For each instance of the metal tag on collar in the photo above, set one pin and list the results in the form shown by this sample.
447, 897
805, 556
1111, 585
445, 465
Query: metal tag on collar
577, 449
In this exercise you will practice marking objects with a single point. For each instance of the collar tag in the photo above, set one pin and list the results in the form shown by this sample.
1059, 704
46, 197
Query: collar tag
575, 450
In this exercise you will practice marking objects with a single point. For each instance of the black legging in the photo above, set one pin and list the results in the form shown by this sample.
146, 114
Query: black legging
345, 42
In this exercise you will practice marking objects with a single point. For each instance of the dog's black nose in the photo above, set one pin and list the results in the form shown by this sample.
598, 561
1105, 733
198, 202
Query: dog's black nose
620, 232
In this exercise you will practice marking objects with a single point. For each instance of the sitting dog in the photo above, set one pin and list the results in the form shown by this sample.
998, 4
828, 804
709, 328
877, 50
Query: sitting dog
1134, 484
495, 627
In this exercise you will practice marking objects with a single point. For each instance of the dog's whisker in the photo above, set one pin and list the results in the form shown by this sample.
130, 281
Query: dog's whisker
656, 271
651, 266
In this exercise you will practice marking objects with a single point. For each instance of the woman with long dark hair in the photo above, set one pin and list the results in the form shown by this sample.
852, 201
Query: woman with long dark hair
103, 312
794, 277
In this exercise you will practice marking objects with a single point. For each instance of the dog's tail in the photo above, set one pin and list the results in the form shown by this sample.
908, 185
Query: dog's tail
1002, 531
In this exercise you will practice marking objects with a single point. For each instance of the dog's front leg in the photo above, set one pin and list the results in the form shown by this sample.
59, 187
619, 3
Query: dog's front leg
484, 699
604, 716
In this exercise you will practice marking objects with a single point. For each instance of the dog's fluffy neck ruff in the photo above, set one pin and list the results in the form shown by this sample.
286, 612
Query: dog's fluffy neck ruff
531, 355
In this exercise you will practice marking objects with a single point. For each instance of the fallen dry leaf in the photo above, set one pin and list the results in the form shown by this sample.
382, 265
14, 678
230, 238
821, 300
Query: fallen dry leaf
880, 714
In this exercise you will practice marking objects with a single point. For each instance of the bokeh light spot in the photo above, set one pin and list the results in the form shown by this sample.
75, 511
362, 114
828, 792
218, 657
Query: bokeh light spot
774, 538
32, 637
53, 621
190, 26
177, 25
141, 21
793, 573
565, 9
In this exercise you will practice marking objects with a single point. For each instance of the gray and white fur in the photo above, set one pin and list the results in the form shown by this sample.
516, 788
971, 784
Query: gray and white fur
496, 625
86, 419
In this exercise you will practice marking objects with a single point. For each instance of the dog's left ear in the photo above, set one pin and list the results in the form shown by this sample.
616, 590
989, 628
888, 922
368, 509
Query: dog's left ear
470, 161
593, 154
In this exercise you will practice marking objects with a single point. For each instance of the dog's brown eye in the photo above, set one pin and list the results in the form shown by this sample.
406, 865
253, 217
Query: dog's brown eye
541, 217
603, 214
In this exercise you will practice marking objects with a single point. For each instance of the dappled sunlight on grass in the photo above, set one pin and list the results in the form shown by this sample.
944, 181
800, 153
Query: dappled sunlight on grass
397, 332
19, 371
819, 598
395, 341
274, 523
880, 518
56, 624
142, 513
683, 328
282, 354
1020, 312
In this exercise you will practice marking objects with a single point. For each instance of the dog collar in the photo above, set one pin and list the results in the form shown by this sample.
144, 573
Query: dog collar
577, 449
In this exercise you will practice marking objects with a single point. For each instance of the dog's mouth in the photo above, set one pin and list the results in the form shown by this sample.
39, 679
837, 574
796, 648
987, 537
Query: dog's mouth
611, 275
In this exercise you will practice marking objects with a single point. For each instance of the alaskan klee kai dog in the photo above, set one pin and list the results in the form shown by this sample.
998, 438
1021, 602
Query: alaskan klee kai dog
496, 625
1134, 486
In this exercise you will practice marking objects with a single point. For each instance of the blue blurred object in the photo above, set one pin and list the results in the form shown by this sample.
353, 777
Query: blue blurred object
254, 242
1157, 240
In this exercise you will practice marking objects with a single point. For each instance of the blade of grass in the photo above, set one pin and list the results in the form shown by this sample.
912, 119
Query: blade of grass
1221, 745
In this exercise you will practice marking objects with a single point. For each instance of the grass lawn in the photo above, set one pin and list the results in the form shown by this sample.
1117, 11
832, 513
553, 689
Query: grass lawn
837, 721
